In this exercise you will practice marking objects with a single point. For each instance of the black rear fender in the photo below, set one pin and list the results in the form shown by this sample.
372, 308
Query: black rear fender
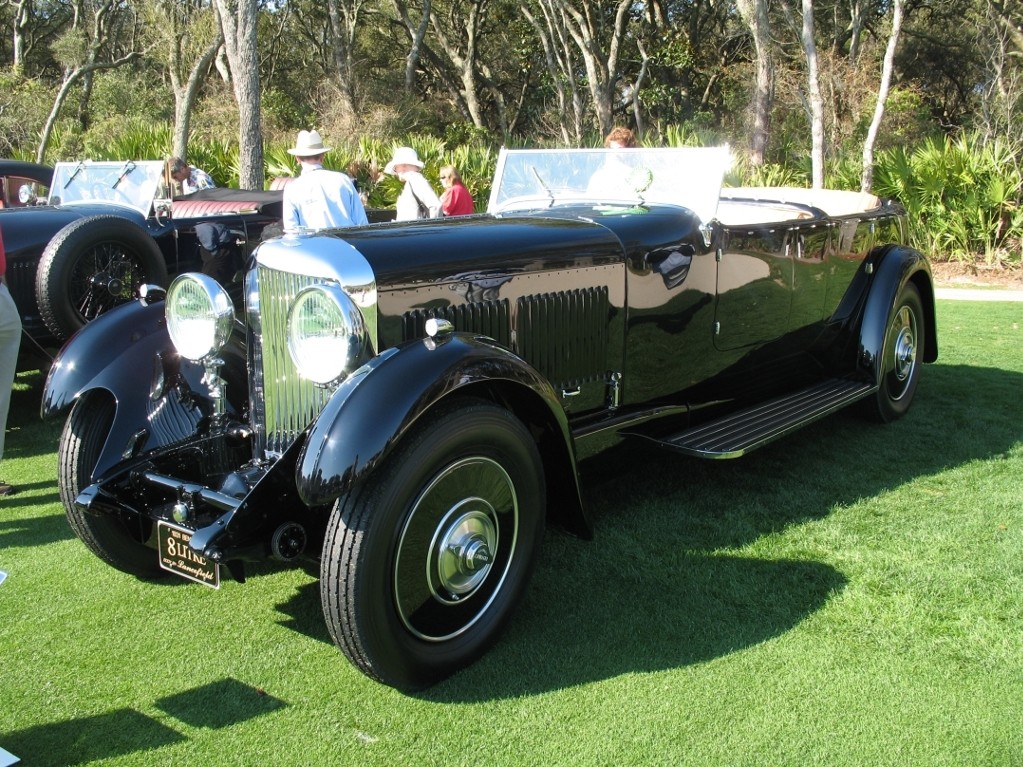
894, 268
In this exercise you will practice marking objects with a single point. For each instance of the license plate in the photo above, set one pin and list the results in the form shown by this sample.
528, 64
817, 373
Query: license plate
176, 556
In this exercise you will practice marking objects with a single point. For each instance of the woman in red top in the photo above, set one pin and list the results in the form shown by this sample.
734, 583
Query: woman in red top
456, 200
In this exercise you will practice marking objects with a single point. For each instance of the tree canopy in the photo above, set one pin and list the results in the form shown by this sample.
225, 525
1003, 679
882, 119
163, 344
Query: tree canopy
508, 71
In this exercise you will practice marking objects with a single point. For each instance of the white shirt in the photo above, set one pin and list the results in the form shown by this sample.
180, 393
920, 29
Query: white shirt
322, 199
406, 207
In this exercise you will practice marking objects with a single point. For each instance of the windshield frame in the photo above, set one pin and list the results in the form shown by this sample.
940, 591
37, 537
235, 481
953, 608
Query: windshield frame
531, 179
125, 183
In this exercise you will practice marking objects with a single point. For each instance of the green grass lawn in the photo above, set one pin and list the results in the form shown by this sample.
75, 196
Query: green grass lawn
850, 595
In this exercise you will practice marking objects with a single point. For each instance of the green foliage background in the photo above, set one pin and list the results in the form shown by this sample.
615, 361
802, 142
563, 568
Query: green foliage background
961, 194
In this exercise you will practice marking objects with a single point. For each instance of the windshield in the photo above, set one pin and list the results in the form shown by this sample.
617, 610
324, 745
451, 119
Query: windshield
129, 183
691, 177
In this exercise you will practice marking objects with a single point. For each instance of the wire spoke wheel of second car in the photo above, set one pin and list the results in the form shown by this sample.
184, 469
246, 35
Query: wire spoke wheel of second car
91, 266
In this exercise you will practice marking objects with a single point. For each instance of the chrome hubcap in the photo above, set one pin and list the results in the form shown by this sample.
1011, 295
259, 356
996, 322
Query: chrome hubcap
455, 549
905, 354
903, 351
464, 552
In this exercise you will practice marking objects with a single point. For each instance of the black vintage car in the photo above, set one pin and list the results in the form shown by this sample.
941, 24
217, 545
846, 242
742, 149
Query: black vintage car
408, 404
106, 229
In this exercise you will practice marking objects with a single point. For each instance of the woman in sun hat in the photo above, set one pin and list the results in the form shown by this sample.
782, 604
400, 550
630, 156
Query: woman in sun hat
417, 198
319, 198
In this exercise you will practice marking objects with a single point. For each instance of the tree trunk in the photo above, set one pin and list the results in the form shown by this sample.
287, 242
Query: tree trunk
185, 96
465, 63
238, 20
417, 33
97, 39
867, 179
814, 92
561, 66
22, 10
71, 78
344, 22
601, 68
754, 13
636, 111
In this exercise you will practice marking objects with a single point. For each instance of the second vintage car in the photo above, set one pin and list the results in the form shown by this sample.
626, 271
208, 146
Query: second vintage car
408, 404
107, 228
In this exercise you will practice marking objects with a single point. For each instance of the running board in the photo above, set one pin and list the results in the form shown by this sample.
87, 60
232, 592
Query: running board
738, 433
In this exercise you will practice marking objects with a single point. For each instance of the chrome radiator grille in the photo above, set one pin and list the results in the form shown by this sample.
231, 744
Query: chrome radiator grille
282, 403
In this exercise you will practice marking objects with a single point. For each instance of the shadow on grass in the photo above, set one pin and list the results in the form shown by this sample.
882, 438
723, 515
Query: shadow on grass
219, 704
32, 530
694, 609
961, 414
118, 733
29, 434
90, 738
305, 615
654, 591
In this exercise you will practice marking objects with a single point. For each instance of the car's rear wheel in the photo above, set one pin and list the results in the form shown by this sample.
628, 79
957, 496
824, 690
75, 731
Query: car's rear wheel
92, 265
901, 358
115, 540
423, 565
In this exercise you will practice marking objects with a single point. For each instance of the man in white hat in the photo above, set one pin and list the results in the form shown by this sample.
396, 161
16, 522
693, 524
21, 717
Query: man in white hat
417, 199
319, 198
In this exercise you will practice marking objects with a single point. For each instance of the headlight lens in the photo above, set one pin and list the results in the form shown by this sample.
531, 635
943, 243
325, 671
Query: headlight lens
326, 333
199, 316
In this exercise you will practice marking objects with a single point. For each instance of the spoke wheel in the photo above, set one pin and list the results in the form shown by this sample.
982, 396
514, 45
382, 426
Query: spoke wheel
423, 565
91, 266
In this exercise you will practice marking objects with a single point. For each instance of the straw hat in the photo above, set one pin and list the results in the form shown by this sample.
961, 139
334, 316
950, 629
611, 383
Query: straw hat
403, 155
308, 144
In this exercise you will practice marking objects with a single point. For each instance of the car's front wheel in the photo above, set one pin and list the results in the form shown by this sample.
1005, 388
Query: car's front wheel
114, 540
901, 358
423, 566
92, 265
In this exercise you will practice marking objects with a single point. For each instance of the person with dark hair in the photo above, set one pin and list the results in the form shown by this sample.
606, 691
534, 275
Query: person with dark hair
10, 340
319, 198
191, 179
456, 199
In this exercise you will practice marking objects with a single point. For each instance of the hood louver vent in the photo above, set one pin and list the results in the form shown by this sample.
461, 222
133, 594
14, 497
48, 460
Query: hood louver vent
564, 335
486, 318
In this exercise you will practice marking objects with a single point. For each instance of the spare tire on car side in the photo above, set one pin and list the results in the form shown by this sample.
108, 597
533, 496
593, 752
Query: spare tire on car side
92, 265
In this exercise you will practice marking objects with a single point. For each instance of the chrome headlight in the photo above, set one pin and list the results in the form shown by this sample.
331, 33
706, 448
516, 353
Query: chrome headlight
199, 316
326, 333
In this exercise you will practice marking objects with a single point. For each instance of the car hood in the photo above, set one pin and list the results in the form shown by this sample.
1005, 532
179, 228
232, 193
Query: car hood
405, 254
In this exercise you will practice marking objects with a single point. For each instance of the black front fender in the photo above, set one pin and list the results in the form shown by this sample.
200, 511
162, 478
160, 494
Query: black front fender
108, 353
126, 352
375, 407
